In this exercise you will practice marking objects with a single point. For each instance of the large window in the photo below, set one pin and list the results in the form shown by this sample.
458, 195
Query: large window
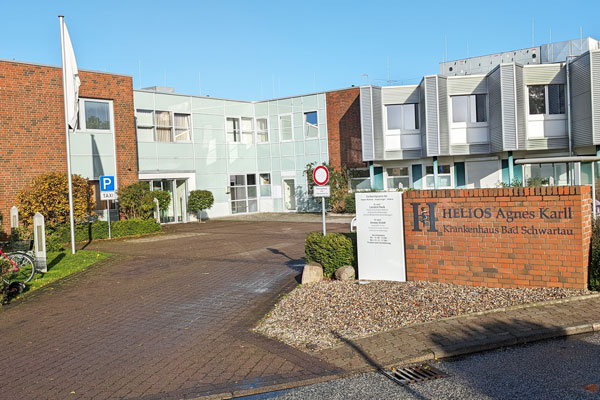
546, 99
469, 109
398, 178
262, 130
285, 127
95, 115
402, 126
234, 133
243, 193
163, 126
311, 124
444, 177
360, 179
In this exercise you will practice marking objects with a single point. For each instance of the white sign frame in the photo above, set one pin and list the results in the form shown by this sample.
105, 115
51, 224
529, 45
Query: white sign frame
108, 196
322, 191
380, 236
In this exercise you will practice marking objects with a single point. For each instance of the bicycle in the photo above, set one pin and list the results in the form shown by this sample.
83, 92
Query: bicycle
22, 267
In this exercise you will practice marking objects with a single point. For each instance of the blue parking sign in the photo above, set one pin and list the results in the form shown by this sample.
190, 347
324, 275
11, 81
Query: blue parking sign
107, 183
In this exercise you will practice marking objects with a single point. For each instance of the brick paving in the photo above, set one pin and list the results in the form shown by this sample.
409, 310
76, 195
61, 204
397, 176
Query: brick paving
165, 318
467, 334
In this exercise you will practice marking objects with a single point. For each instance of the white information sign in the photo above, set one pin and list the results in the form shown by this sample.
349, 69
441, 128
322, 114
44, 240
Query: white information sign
380, 236
108, 195
321, 191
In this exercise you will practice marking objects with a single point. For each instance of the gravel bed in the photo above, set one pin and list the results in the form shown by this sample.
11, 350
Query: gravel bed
307, 317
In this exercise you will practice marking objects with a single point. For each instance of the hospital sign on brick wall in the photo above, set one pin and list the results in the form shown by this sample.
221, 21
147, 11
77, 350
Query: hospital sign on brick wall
508, 237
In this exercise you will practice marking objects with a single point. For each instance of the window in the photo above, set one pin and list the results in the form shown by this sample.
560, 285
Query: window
444, 177
265, 185
163, 126
158, 126
360, 179
95, 115
182, 128
398, 178
145, 125
285, 127
233, 130
262, 130
469, 109
402, 116
311, 125
546, 99
402, 130
247, 130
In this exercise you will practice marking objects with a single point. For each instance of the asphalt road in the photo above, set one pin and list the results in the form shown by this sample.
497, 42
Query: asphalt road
555, 369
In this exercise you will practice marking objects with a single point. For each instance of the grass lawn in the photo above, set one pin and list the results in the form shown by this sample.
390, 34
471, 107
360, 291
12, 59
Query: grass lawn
63, 264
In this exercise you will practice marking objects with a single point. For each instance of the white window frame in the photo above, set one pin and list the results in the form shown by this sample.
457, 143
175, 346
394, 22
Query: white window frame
387, 176
547, 114
137, 125
81, 127
239, 119
307, 124
260, 184
257, 130
451, 174
252, 132
173, 127
470, 111
400, 132
292, 126
361, 178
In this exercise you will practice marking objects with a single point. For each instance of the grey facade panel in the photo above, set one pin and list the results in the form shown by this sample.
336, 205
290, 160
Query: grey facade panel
473, 84
581, 101
378, 138
494, 104
400, 95
520, 106
403, 154
443, 109
460, 149
423, 115
431, 115
509, 112
595, 87
366, 123
547, 74
548, 143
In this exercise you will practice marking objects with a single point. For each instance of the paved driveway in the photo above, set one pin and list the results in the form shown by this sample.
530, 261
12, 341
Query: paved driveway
167, 317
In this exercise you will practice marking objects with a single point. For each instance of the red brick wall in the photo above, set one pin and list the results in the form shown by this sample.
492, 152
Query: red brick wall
343, 128
500, 258
32, 129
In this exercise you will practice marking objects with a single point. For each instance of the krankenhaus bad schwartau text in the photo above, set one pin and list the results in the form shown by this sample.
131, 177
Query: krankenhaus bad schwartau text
520, 115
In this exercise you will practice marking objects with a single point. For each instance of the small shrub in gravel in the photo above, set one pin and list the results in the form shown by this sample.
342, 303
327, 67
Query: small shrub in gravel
332, 251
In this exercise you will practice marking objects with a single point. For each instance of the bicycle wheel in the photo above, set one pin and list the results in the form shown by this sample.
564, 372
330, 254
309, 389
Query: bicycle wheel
26, 268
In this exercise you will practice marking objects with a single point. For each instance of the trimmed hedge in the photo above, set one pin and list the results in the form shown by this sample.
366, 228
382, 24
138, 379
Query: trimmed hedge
332, 251
99, 230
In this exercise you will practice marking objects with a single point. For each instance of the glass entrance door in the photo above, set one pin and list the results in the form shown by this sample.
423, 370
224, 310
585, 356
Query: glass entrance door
177, 188
243, 193
289, 194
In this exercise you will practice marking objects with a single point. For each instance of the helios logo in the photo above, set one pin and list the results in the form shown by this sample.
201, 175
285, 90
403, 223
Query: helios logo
424, 215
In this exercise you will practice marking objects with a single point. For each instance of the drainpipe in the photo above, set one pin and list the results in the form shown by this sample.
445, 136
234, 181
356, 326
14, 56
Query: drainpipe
511, 168
435, 173
569, 132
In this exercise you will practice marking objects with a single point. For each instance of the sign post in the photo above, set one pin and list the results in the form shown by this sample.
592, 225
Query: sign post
107, 192
321, 177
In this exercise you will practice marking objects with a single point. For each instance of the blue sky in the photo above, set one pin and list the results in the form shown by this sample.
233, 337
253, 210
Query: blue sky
261, 49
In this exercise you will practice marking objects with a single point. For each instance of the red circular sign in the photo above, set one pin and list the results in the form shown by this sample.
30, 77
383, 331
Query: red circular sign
321, 175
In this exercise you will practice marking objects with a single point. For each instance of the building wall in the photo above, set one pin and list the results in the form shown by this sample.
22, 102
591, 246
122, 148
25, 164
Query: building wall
32, 129
343, 123
210, 158
475, 241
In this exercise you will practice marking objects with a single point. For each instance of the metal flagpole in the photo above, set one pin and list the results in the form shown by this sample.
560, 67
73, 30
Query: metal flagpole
62, 47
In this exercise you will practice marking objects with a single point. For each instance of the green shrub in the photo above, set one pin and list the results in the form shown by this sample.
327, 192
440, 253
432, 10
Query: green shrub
332, 251
350, 203
99, 230
163, 197
200, 200
594, 268
136, 200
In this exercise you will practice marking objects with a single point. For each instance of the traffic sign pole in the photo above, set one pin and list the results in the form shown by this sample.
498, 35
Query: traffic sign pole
323, 207
108, 217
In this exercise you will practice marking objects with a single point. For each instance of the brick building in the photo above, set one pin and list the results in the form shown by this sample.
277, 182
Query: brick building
32, 128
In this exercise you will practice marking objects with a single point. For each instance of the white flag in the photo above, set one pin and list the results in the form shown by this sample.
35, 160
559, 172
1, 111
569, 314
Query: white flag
72, 81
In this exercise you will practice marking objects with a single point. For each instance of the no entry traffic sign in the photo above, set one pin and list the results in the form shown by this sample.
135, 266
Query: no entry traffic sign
321, 175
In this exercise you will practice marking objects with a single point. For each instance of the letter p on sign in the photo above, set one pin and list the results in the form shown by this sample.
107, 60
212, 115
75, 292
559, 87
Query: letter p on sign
107, 183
